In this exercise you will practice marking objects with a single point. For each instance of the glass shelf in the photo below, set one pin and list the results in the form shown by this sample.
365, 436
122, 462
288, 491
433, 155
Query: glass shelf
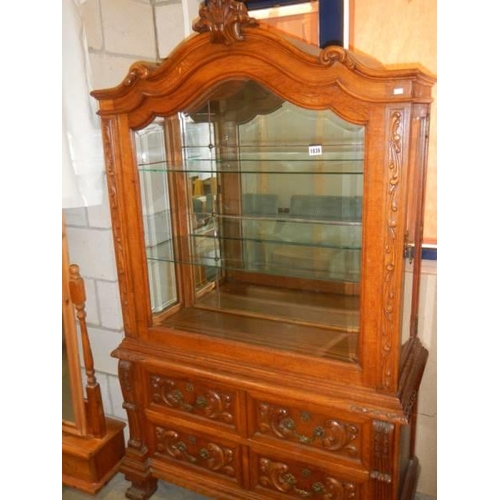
199, 241
281, 218
270, 257
254, 166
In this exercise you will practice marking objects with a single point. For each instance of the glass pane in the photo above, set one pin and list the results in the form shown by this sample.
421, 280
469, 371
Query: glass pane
157, 216
199, 155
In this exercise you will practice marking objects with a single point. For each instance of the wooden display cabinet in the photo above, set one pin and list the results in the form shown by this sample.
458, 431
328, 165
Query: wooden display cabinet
265, 196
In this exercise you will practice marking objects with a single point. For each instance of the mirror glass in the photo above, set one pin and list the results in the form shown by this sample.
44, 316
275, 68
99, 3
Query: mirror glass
67, 398
73, 412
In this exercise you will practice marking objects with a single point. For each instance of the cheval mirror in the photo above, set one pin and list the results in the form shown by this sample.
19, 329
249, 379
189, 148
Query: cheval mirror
92, 444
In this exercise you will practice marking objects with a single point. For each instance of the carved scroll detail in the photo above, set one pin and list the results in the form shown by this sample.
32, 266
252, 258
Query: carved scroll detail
210, 403
332, 54
333, 435
388, 294
212, 456
138, 70
224, 20
276, 475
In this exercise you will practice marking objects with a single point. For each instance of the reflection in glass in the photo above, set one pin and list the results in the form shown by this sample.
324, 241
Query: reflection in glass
67, 399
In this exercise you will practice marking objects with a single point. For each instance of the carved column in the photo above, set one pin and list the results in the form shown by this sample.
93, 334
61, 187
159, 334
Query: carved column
383, 459
135, 465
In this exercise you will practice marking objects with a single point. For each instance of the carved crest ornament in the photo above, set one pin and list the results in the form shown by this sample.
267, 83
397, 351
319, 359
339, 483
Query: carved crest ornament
224, 20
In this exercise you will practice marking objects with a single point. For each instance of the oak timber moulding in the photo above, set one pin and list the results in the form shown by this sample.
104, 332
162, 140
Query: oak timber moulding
265, 197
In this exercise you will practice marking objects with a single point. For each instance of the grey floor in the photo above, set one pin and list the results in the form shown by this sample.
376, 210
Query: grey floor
115, 490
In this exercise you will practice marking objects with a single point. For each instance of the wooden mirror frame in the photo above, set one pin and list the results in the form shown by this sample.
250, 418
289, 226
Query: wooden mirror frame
78, 426
93, 445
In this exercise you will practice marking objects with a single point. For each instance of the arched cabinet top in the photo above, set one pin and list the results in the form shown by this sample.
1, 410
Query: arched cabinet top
231, 46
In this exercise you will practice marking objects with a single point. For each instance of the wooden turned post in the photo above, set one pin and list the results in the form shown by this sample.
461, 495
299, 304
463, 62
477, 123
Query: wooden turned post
96, 420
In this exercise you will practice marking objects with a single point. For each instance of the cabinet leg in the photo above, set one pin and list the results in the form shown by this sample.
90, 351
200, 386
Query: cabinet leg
410, 482
142, 490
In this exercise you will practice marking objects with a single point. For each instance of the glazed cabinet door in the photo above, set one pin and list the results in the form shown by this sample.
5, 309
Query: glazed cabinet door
252, 215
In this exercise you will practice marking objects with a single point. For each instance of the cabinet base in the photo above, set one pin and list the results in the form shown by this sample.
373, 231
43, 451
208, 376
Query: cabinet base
88, 463
143, 490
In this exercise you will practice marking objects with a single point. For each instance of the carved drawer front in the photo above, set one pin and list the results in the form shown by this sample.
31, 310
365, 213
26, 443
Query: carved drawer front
311, 429
202, 452
287, 478
191, 396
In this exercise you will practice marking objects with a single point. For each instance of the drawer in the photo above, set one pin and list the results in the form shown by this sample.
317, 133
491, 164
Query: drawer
309, 428
285, 477
200, 452
201, 399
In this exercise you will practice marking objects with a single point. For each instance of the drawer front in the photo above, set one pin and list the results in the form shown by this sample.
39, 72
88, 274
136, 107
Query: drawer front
200, 452
187, 395
288, 478
313, 429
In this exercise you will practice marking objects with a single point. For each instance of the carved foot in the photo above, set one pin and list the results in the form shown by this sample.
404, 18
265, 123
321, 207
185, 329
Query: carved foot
142, 490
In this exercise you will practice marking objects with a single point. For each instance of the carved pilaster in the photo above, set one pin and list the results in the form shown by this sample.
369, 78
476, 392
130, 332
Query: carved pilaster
119, 245
135, 465
126, 373
389, 299
383, 458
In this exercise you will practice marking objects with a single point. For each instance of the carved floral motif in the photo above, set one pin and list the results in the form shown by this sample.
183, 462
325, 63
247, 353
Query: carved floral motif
107, 128
224, 20
388, 294
333, 434
212, 404
276, 475
211, 456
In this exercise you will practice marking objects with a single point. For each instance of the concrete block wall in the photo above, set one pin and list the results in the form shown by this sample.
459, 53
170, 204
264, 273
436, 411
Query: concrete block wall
120, 32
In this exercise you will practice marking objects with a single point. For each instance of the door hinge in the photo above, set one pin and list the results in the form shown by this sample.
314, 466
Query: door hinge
409, 248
